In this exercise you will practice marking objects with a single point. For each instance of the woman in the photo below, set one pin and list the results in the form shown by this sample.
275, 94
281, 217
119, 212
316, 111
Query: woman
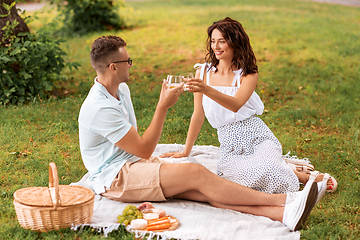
224, 92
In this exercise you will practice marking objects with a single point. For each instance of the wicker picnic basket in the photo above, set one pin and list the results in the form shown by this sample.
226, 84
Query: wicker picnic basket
55, 207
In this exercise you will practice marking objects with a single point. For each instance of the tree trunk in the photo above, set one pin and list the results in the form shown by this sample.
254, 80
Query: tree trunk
21, 27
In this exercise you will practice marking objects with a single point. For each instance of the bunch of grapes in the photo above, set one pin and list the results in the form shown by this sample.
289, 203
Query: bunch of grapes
129, 213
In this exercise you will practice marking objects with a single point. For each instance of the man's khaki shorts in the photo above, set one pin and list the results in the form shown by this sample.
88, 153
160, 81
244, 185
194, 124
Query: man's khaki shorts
137, 182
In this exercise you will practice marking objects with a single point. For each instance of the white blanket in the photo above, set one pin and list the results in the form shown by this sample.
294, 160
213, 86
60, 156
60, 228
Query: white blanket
197, 220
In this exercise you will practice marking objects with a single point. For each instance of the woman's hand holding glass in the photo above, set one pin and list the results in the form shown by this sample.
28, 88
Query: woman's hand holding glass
196, 85
185, 77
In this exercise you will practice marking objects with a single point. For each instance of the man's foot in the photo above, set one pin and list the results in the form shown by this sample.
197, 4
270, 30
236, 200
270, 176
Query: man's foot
299, 205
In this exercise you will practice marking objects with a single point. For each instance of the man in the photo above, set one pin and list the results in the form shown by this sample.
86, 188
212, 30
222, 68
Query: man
119, 160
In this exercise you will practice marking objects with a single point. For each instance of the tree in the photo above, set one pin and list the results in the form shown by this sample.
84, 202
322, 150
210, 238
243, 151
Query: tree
85, 16
30, 63
11, 15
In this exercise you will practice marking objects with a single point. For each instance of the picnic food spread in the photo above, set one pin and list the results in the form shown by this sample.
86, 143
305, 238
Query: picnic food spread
147, 218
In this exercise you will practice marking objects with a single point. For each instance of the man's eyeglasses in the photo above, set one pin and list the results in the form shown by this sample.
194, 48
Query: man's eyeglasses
129, 61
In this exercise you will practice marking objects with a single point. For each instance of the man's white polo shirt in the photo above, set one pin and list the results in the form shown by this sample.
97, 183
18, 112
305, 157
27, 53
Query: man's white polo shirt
103, 121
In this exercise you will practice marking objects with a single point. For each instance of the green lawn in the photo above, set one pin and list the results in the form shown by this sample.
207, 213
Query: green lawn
308, 57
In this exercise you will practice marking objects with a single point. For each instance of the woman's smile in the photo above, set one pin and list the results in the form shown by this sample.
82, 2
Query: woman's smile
220, 46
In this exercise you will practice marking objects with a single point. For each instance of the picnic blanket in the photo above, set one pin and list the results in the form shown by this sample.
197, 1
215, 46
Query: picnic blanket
197, 220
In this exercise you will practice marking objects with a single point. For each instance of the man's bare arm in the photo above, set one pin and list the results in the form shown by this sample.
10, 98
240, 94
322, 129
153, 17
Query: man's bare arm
144, 146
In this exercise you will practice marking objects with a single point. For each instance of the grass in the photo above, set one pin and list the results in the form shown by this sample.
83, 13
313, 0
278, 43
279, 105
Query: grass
309, 81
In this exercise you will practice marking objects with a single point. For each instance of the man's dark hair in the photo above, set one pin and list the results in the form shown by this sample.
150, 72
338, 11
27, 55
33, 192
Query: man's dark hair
103, 50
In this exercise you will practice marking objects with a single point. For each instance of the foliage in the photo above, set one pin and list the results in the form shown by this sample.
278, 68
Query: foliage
86, 16
7, 8
30, 65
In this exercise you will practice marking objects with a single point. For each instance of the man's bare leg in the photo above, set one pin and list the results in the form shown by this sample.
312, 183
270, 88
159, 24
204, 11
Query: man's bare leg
274, 213
193, 195
184, 177
194, 182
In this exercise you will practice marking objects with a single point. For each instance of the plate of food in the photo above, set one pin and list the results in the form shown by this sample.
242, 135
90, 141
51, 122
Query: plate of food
147, 218
167, 223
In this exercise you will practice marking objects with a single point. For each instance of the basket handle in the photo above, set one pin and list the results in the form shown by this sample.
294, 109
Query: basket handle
54, 185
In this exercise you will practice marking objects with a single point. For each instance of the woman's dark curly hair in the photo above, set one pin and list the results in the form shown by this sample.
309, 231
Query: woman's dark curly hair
236, 37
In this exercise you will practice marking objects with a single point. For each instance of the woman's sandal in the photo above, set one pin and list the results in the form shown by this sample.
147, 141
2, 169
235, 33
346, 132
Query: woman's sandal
322, 185
302, 165
301, 168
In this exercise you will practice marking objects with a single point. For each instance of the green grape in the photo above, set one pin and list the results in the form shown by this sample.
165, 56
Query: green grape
129, 213
120, 219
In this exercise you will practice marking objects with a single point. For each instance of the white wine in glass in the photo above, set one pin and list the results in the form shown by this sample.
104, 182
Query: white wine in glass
187, 76
173, 81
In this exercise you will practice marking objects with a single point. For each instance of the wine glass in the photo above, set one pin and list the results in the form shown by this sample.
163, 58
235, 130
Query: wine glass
187, 76
173, 81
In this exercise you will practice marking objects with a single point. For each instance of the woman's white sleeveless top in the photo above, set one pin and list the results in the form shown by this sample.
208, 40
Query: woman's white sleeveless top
219, 116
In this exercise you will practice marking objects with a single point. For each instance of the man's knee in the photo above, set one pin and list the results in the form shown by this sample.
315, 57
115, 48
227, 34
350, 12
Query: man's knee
189, 172
196, 170
190, 168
